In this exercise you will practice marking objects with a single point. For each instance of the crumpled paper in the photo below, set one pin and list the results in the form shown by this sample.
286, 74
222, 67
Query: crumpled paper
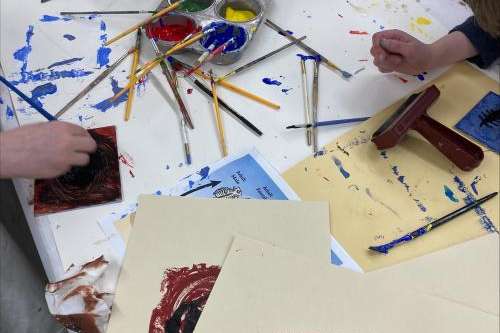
78, 302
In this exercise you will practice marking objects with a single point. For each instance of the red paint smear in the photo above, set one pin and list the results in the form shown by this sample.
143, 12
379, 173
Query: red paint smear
171, 28
189, 91
126, 161
131, 173
97, 183
84, 322
356, 32
184, 294
402, 79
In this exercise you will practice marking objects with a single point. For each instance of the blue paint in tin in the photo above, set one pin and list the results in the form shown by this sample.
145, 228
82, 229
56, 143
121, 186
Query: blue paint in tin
223, 33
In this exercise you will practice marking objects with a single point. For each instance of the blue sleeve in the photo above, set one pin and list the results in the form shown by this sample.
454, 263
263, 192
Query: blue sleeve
487, 46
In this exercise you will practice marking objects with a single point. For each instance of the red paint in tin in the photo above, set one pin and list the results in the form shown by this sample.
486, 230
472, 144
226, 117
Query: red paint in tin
171, 28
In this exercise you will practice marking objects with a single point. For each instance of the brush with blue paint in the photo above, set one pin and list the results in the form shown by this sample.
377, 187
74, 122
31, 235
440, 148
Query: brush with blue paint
256, 61
385, 248
28, 100
302, 45
209, 55
329, 123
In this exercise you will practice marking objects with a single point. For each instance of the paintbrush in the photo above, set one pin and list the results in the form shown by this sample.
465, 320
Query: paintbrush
135, 63
305, 92
218, 117
256, 61
148, 67
306, 48
209, 55
329, 123
173, 85
93, 84
28, 100
315, 101
431, 226
146, 21
109, 12
239, 91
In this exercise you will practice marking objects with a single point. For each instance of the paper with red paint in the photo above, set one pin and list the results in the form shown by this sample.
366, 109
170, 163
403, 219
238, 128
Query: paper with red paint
94, 184
177, 246
266, 289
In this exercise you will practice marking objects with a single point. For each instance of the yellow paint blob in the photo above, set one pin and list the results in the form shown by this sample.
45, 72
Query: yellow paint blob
235, 15
423, 21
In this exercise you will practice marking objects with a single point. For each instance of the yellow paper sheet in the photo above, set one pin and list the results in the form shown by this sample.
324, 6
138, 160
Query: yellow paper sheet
124, 226
170, 232
376, 198
265, 289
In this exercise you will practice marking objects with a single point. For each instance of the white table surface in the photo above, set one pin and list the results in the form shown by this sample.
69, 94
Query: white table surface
282, 148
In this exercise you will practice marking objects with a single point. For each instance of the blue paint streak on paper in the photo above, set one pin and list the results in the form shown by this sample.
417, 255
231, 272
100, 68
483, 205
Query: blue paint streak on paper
483, 122
191, 184
449, 194
106, 104
1, 100
204, 172
26, 76
286, 91
335, 259
42, 91
9, 113
288, 31
339, 165
158, 192
103, 52
308, 57
50, 18
64, 62
474, 183
69, 37
402, 180
271, 82
469, 198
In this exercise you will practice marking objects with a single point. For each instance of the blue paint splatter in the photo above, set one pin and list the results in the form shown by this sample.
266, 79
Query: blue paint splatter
50, 18
469, 198
103, 52
288, 31
402, 180
308, 57
338, 163
69, 37
107, 104
64, 62
204, 172
180, 165
1, 100
168, 167
9, 113
335, 259
421, 76
449, 194
23, 53
26, 76
191, 184
42, 91
123, 216
473, 185
286, 91
224, 32
158, 193
271, 82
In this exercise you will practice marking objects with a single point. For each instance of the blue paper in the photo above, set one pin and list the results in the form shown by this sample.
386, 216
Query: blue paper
483, 122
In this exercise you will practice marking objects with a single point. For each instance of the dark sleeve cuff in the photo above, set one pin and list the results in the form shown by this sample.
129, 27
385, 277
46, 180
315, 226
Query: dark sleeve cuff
488, 48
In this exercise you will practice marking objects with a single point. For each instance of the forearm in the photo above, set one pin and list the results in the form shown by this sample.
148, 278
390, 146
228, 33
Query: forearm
450, 49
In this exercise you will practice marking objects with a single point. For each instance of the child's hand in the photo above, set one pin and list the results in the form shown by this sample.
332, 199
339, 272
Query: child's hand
44, 150
397, 51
